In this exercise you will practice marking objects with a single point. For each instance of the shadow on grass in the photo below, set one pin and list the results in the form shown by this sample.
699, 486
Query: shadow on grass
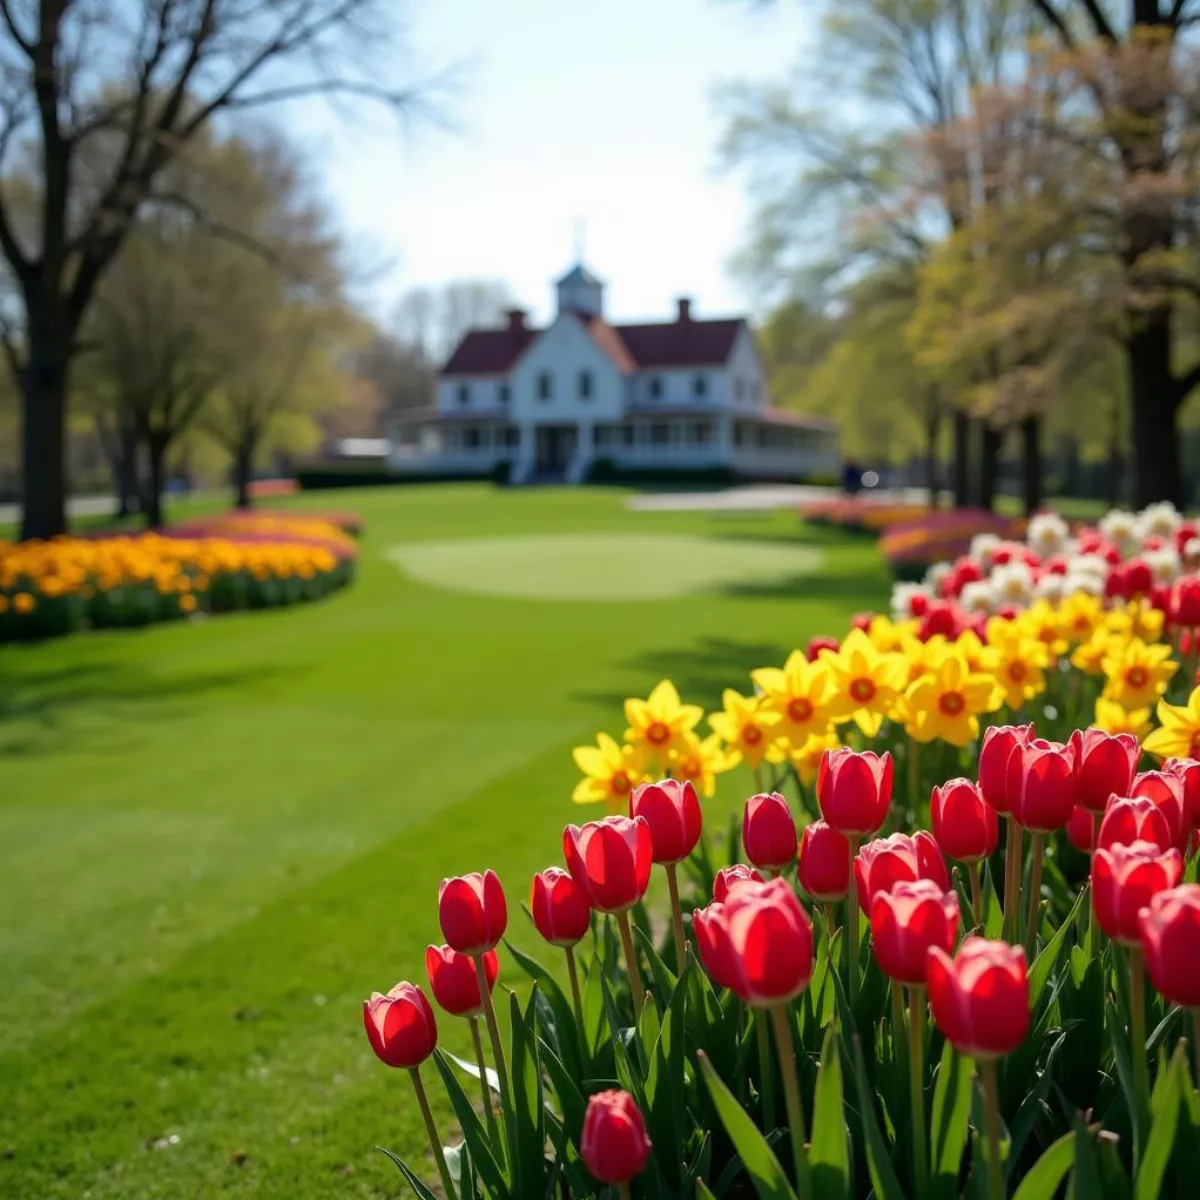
865, 587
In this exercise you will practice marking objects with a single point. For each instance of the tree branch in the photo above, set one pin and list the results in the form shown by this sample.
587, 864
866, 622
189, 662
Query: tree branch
1056, 19
1185, 383
10, 23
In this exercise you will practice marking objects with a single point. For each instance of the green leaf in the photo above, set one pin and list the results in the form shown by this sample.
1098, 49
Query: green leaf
568, 1036
702, 1192
528, 1112
757, 1157
419, 1189
664, 977
1164, 1105
951, 1120
1043, 1178
570, 1098
1087, 1167
829, 1151
472, 1069
1120, 1048
483, 1154
1047, 961
458, 1163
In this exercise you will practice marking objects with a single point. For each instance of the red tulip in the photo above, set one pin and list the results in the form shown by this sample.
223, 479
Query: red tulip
1042, 785
1106, 764
1187, 770
610, 861
769, 832
854, 789
885, 862
999, 742
400, 1026
862, 620
729, 877
819, 643
1134, 819
1167, 791
906, 922
964, 824
1081, 830
1139, 579
824, 862
615, 1148
1170, 929
672, 811
1184, 605
454, 982
1124, 879
980, 998
759, 943
473, 911
560, 910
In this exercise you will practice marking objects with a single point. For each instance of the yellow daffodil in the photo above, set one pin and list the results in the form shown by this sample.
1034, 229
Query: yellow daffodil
701, 762
1136, 620
799, 693
1016, 662
1040, 622
658, 724
1079, 616
972, 649
866, 682
1137, 674
1112, 718
923, 656
749, 729
1089, 656
610, 771
887, 636
946, 703
1178, 735
807, 758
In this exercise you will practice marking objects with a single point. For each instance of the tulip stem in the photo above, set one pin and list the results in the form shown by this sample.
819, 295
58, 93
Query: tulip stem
435, 1142
1037, 846
765, 1072
1137, 1036
899, 1031
1196, 1036
484, 1087
782, 1020
573, 975
852, 927
976, 894
916, 1083
758, 779
623, 1192
831, 925
914, 776
991, 1106
1012, 881
631, 962
677, 918
489, 1013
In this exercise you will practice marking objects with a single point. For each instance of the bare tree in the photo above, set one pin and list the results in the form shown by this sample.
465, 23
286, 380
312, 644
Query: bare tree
142, 77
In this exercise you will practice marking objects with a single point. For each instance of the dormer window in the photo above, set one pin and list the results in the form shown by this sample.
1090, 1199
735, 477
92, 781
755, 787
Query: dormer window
545, 385
585, 385
655, 387
464, 395
503, 393
700, 386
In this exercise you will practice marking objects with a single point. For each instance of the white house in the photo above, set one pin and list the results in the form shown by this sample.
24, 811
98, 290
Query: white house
583, 397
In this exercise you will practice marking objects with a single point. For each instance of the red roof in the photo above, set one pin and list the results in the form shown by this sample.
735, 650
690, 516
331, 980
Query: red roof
631, 347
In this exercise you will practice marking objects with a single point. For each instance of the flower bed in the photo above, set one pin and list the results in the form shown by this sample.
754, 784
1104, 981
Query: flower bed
894, 1000
911, 546
222, 564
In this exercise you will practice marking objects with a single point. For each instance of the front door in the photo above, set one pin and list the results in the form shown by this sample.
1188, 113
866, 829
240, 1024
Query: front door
555, 446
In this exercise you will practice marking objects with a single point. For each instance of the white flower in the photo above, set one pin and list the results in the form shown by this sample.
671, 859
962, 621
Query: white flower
982, 545
1047, 534
1158, 520
1164, 564
935, 574
977, 596
1191, 552
1083, 581
1121, 528
1088, 564
903, 595
1051, 587
1012, 584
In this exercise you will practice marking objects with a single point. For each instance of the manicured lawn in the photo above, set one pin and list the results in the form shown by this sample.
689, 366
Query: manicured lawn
216, 839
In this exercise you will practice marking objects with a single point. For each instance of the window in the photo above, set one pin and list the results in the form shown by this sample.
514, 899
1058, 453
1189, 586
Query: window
472, 438
512, 437
627, 434
737, 435
585, 385
545, 385
700, 386
655, 387
660, 433
503, 392
702, 433
464, 394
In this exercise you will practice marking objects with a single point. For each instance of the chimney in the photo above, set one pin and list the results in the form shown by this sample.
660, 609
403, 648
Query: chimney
516, 319
685, 310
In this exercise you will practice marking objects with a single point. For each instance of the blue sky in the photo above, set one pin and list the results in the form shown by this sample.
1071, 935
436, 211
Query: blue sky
566, 110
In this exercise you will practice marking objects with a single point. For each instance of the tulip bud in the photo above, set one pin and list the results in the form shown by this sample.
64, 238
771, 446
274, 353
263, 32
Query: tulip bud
980, 998
1187, 770
769, 832
1133, 819
819, 643
1139, 579
560, 910
1106, 764
854, 790
1184, 605
999, 742
672, 811
610, 861
964, 824
1170, 933
400, 1026
472, 911
614, 1147
885, 862
906, 922
1042, 785
1081, 829
1124, 879
824, 862
454, 981
1167, 791
729, 877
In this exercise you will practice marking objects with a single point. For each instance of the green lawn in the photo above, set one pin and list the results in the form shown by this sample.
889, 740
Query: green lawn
216, 838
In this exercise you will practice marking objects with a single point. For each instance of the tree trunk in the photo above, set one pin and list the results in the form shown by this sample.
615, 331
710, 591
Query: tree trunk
243, 472
152, 500
1031, 464
43, 429
962, 459
990, 441
933, 427
1154, 400
129, 492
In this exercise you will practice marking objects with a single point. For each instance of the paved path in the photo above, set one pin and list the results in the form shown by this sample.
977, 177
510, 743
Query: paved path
756, 497
77, 506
